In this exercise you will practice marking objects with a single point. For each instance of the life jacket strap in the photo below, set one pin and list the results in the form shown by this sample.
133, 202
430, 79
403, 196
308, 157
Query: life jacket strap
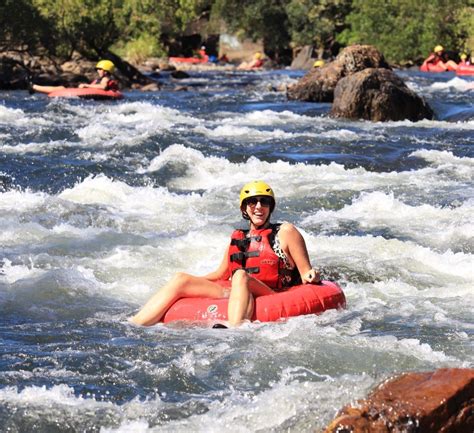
254, 270
241, 244
238, 257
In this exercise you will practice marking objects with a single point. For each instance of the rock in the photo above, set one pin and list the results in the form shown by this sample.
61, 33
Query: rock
359, 57
12, 74
165, 66
319, 84
303, 59
179, 75
441, 401
154, 87
377, 95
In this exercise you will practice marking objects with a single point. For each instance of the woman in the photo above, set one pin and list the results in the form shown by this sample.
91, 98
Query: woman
439, 60
259, 261
256, 63
105, 69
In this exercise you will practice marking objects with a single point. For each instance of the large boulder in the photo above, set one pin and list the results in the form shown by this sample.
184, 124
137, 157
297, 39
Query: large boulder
377, 95
318, 85
303, 59
441, 401
12, 73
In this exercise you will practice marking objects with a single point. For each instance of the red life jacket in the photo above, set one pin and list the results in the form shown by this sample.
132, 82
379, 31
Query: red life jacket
111, 84
252, 251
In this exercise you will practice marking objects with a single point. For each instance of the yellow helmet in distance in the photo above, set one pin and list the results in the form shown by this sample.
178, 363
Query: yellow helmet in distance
438, 48
258, 55
106, 65
255, 188
463, 56
318, 63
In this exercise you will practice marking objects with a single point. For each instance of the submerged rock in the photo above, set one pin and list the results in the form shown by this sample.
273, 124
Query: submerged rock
378, 95
441, 401
319, 84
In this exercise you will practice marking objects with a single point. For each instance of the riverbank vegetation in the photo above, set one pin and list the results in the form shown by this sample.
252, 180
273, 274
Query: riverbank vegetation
404, 30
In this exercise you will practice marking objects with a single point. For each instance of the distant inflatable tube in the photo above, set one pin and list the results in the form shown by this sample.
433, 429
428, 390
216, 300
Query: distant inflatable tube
430, 67
465, 70
85, 93
299, 300
192, 60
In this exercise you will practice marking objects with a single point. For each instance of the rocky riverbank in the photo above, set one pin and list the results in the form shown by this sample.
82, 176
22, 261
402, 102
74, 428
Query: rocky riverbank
17, 68
437, 401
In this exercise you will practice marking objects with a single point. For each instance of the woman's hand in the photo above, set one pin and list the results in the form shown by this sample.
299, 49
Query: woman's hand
312, 277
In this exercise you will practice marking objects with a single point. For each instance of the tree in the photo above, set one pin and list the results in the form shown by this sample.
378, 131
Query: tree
23, 28
317, 22
406, 29
264, 20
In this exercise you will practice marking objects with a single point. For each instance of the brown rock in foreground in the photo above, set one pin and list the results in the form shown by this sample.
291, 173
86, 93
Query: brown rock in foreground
318, 85
378, 95
430, 402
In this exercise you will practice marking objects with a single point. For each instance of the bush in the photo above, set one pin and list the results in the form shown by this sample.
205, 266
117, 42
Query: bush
137, 50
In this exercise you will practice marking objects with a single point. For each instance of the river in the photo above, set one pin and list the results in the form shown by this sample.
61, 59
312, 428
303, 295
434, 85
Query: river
101, 202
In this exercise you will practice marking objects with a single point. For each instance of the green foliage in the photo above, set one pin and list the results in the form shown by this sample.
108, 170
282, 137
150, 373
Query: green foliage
316, 22
139, 49
405, 29
259, 19
465, 19
402, 29
22, 28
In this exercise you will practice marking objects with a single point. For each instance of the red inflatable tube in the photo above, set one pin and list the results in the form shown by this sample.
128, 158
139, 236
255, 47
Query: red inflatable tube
193, 60
465, 70
430, 67
299, 300
85, 93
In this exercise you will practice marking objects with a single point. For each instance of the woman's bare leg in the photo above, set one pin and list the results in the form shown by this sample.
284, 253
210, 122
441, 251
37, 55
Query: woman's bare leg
180, 286
241, 300
46, 89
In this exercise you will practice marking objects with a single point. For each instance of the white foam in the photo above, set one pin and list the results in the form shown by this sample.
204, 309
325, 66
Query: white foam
9, 115
377, 210
130, 124
455, 83
40, 395
443, 158
266, 118
392, 258
305, 405
201, 172
13, 273
21, 201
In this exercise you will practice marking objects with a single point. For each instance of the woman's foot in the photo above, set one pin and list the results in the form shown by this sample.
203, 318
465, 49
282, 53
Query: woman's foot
29, 84
219, 326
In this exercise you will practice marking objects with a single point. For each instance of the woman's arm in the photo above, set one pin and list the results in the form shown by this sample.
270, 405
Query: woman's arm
294, 246
222, 272
430, 58
102, 85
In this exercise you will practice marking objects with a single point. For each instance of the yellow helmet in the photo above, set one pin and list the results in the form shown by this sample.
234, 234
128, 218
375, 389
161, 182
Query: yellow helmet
318, 63
463, 56
254, 188
258, 55
438, 48
106, 65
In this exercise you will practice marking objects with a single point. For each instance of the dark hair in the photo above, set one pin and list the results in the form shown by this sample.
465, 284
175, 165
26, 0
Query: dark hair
245, 215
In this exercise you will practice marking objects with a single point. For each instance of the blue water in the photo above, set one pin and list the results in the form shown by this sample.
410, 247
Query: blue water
101, 202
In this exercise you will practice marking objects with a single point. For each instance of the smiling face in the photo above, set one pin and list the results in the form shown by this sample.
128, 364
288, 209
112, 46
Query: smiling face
258, 210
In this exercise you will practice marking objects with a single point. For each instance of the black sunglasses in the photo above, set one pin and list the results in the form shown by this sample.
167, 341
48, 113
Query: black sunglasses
264, 201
